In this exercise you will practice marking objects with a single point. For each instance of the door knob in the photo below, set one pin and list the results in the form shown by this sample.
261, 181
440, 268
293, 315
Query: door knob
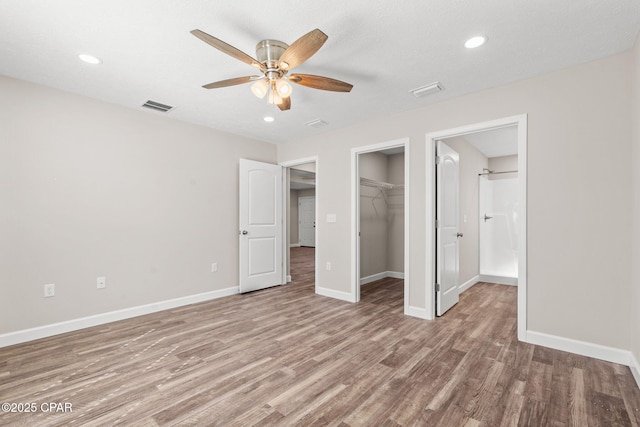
486, 217
459, 234
244, 232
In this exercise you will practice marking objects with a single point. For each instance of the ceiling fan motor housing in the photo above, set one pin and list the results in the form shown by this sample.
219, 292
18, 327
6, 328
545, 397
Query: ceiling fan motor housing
268, 52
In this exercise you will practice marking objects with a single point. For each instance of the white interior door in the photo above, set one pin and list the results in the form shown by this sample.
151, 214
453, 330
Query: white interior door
260, 225
307, 221
447, 234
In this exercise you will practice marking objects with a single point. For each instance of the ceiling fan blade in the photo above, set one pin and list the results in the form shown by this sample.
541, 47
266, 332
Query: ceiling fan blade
319, 82
230, 82
285, 104
227, 48
302, 49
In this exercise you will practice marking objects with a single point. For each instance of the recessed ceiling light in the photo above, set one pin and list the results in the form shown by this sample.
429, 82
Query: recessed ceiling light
268, 119
89, 59
474, 42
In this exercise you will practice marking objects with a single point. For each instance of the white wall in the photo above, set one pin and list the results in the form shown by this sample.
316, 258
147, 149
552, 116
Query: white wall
471, 164
578, 269
92, 189
293, 218
503, 164
395, 214
635, 331
307, 192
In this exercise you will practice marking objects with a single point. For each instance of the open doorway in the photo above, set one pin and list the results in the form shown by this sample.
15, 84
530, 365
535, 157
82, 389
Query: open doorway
488, 208
300, 229
379, 200
490, 214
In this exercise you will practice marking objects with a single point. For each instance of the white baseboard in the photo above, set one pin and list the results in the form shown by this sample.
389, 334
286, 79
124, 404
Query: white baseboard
25, 335
597, 351
379, 276
502, 280
344, 296
395, 275
294, 245
418, 312
469, 283
635, 368
372, 278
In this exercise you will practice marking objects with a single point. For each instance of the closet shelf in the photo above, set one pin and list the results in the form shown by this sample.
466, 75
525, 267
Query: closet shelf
379, 184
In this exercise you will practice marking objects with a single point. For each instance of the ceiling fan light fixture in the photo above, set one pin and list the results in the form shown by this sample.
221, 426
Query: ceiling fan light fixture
260, 88
284, 88
274, 97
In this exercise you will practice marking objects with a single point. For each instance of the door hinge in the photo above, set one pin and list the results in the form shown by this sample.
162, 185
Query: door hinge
437, 287
437, 160
437, 223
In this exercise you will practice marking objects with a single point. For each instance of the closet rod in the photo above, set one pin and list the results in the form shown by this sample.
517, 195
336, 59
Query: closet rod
379, 184
496, 173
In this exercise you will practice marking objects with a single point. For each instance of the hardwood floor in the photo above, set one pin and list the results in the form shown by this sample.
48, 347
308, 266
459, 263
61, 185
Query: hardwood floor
303, 266
285, 356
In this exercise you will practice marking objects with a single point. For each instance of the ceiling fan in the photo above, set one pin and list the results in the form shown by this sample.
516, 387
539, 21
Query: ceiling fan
275, 59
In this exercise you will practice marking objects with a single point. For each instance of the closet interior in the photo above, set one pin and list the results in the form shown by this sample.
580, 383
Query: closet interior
381, 215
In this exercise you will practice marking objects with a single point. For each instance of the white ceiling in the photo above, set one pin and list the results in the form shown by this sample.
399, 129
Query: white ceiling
495, 142
383, 48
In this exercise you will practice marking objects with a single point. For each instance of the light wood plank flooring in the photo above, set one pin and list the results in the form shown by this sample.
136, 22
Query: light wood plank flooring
285, 356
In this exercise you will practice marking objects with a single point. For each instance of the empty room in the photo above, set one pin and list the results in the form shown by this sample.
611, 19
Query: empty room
358, 213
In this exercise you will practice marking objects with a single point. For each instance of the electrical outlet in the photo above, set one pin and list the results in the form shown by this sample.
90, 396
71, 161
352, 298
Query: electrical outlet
214, 267
328, 265
101, 282
49, 290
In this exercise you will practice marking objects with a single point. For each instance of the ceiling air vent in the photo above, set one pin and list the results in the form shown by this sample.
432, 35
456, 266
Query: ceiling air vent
316, 123
419, 92
157, 106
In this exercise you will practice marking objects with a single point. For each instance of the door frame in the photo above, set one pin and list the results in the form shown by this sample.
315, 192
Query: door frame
286, 191
430, 266
299, 222
355, 215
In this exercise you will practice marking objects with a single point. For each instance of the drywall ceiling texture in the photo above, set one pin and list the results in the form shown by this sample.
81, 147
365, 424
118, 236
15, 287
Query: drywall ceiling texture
636, 200
92, 189
577, 267
384, 49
